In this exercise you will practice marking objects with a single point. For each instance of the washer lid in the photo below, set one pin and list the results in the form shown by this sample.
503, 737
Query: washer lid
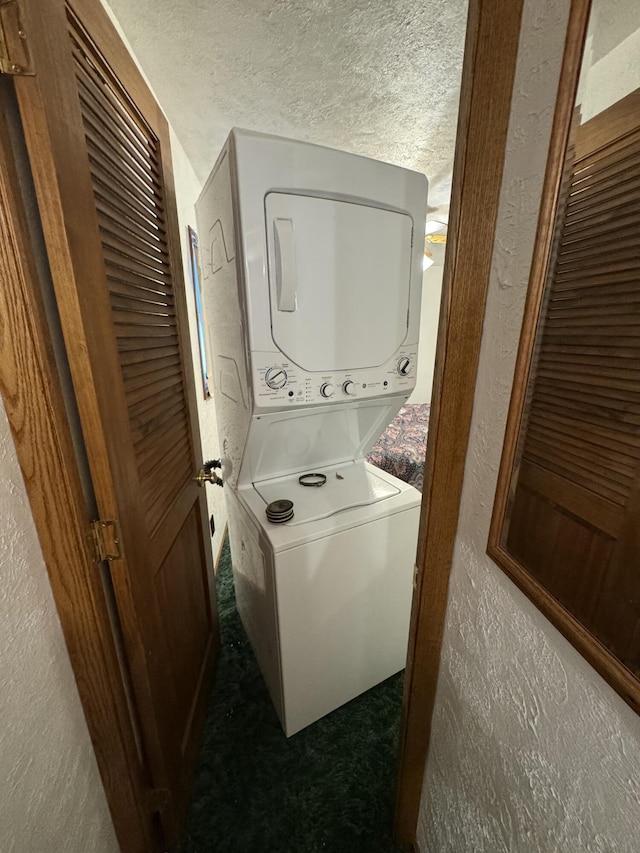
347, 486
339, 281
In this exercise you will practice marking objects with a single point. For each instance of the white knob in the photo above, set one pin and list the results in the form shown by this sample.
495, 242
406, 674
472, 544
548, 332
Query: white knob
327, 390
349, 388
276, 377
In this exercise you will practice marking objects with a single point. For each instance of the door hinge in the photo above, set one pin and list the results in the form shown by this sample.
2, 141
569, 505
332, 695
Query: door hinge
105, 540
14, 46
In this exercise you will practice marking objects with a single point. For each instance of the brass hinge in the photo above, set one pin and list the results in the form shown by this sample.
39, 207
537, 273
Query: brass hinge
105, 539
14, 46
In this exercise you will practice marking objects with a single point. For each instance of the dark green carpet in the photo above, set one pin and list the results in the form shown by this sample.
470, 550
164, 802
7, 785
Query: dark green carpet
327, 789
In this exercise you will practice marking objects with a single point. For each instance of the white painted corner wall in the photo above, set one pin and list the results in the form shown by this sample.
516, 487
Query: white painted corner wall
531, 751
188, 188
51, 796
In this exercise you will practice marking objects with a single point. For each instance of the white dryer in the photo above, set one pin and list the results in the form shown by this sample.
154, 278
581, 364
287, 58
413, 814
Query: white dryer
311, 272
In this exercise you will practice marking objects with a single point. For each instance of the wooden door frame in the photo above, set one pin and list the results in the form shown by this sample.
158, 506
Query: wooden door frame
485, 108
490, 58
47, 459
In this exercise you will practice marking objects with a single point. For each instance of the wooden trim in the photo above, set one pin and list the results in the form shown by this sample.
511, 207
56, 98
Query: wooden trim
491, 51
34, 404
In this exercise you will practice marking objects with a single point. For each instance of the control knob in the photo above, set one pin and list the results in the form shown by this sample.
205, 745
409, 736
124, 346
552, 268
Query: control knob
327, 390
349, 387
276, 378
404, 366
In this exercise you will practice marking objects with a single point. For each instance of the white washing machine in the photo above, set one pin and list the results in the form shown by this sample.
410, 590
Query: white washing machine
311, 273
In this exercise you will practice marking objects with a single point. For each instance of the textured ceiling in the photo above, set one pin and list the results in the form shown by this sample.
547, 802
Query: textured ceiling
376, 77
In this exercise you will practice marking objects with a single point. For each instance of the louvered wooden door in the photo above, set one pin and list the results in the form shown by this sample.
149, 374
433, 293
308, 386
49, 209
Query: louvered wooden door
575, 518
99, 151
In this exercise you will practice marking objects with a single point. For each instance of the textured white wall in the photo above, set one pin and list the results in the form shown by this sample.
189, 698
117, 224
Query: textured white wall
51, 796
612, 77
531, 751
188, 188
376, 78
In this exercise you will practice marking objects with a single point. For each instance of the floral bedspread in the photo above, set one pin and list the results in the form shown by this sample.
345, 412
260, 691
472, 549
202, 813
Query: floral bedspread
401, 448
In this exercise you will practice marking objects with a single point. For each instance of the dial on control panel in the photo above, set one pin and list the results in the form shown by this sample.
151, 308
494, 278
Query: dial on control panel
404, 366
276, 378
327, 390
349, 387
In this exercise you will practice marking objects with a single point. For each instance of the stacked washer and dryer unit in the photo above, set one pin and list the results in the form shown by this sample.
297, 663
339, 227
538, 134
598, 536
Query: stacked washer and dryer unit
311, 274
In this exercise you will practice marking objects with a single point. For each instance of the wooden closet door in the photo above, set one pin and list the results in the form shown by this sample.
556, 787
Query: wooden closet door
575, 516
99, 150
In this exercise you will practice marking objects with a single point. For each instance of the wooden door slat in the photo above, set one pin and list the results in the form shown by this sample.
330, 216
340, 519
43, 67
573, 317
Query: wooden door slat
579, 410
104, 92
156, 265
121, 282
124, 256
134, 298
580, 387
142, 380
624, 443
116, 144
595, 296
141, 356
152, 454
592, 381
131, 370
128, 235
144, 320
125, 220
137, 344
618, 352
144, 399
613, 265
124, 207
153, 418
110, 171
610, 154
591, 216
123, 262
96, 96
594, 279
589, 254
606, 366
571, 444
601, 222
615, 495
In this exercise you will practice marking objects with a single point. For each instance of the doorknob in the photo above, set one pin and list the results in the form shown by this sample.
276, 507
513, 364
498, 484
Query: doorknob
207, 474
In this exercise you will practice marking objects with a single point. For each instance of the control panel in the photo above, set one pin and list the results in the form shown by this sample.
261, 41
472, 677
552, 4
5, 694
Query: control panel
280, 383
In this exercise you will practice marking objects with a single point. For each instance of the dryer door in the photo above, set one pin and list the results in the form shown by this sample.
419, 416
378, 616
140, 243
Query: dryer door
339, 281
